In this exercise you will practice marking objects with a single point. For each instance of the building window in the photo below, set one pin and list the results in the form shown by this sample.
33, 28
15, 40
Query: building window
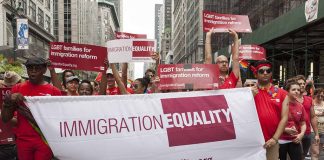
48, 4
67, 21
32, 10
40, 17
48, 23
24, 6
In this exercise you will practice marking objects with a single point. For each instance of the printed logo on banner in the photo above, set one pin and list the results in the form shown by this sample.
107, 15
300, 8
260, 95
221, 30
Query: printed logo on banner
143, 48
196, 120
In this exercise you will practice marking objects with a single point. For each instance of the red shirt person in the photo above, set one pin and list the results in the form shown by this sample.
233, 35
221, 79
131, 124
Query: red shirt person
295, 129
30, 144
226, 81
311, 119
273, 115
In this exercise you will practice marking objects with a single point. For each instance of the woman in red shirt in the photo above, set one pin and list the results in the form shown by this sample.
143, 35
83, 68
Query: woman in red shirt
295, 129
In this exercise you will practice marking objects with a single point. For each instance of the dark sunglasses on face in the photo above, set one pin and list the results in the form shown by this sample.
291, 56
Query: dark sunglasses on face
34, 67
261, 71
135, 86
249, 85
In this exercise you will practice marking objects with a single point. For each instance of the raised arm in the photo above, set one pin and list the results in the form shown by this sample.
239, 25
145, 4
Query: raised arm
103, 81
208, 48
124, 73
235, 54
119, 82
54, 78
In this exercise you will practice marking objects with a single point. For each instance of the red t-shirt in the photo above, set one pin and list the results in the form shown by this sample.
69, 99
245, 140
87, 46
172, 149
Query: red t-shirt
116, 91
24, 129
269, 105
295, 117
230, 82
307, 103
7, 131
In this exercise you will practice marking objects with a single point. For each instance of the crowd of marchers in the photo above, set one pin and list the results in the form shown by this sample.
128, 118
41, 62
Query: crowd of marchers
291, 117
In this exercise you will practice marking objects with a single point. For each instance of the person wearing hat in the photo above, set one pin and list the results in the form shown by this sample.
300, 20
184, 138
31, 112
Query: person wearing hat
10, 78
272, 107
7, 137
72, 85
30, 143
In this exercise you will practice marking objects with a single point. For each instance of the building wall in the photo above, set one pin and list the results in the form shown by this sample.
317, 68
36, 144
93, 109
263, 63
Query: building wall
77, 21
40, 19
157, 24
106, 23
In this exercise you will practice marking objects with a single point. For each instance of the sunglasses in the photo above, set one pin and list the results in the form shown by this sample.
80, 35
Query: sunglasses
135, 86
34, 67
261, 71
249, 85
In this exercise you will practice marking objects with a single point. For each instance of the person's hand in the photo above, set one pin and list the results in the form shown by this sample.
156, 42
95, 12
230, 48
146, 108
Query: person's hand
298, 138
155, 56
15, 98
155, 80
233, 34
291, 131
255, 90
49, 64
210, 32
271, 142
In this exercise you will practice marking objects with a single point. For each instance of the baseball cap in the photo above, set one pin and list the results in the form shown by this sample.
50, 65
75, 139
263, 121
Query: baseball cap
35, 61
72, 78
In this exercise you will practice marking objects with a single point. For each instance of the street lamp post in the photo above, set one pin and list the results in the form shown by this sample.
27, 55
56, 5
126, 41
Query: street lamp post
14, 25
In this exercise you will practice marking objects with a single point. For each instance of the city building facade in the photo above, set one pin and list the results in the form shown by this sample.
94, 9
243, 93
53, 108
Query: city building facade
76, 21
107, 21
165, 30
157, 23
40, 25
119, 9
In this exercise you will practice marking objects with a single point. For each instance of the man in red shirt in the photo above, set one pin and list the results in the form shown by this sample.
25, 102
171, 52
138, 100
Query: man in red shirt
225, 81
30, 145
273, 114
311, 119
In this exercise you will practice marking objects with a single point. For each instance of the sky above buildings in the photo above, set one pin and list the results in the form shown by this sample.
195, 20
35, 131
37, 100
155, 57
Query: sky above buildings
138, 18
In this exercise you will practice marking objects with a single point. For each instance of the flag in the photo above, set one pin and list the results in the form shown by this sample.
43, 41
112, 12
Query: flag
244, 64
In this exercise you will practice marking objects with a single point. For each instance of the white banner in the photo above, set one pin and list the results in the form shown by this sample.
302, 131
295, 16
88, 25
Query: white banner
22, 34
204, 125
130, 50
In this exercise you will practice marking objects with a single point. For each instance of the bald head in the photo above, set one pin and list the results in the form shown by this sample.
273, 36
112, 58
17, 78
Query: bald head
220, 58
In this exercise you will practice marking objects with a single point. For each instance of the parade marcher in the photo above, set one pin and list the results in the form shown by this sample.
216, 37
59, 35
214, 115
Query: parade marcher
30, 144
249, 83
311, 119
140, 85
295, 129
316, 147
85, 88
95, 86
72, 85
10, 78
225, 80
7, 138
272, 112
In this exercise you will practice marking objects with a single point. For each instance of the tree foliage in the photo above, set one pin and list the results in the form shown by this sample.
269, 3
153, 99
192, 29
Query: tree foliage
6, 66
